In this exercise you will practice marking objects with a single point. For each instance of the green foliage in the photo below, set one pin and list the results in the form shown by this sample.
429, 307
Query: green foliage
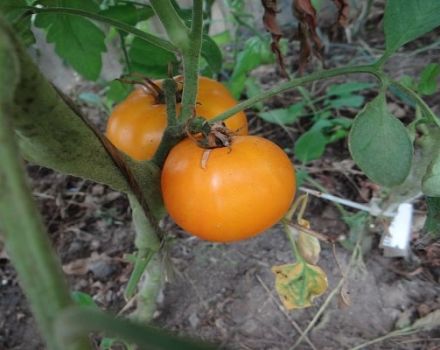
117, 91
128, 13
15, 15
284, 116
431, 180
380, 144
428, 79
156, 66
432, 224
83, 299
406, 20
76, 39
310, 145
256, 52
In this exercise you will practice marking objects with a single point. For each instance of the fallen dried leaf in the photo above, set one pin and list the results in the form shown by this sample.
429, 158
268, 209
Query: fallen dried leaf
344, 300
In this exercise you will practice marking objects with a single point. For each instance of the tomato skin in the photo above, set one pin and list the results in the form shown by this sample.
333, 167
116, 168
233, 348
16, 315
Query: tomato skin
136, 125
242, 191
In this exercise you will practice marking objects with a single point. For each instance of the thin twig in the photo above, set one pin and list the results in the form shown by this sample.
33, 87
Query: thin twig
280, 307
346, 202
330, 297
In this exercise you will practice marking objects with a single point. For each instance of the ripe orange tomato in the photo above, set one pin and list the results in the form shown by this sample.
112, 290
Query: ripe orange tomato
136, 125
242, 190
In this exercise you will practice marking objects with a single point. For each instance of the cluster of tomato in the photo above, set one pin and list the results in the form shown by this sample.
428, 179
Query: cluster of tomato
235, 193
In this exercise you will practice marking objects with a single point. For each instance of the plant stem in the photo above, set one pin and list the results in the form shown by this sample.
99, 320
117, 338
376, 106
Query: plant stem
27, 243
173, 132
356, 251
294, 83
80, 321
419, 101
147, 243
149, 38
124, 51
397, 333
176, 29
191, 63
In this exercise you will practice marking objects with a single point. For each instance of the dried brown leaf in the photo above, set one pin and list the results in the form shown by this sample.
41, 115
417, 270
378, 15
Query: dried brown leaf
343, 12
344, 300
271, 25
82, 266
310, 44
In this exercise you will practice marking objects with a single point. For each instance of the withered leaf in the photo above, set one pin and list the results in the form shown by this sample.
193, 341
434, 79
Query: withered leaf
310, 43
271, 25
298, 284
343, 12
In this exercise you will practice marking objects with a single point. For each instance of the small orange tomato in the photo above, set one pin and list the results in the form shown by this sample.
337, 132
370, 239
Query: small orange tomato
239, 192
136, 125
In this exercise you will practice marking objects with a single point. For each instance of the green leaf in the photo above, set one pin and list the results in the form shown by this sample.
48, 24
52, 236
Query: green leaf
150, 60
212, 53
254, 89
283, 116
86, 5
310, 145
380, 145
14, 14
128, 13
346, 101
432, 223
76, 39
118, 91
83, 299
431, 180
406, 20
255, 52
347, 88
428, 79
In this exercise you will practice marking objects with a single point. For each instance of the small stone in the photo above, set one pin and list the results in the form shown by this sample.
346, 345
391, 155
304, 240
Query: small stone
194, 320
102, 269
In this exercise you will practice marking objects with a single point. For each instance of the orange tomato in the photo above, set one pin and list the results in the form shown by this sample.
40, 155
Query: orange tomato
242, 190
136, 125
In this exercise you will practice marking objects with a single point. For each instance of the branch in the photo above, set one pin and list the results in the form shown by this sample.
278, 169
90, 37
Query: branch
191, 58
294, 83
176, 29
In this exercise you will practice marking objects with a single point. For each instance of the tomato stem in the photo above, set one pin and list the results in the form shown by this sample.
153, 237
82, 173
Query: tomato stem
191, 57
428, 111
294, 83
175, 27
174, 132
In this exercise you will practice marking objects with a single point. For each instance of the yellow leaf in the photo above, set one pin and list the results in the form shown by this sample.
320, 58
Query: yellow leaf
298, 284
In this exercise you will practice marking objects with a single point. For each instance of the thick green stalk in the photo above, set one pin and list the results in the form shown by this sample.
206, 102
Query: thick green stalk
147, 242
294, 83
27, 243
191, 57
173, 132
176, 29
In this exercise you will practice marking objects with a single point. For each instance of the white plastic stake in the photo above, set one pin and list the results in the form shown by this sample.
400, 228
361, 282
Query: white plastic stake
395, 242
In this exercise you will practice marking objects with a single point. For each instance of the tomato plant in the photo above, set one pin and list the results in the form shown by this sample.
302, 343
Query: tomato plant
240, 191
137, 124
